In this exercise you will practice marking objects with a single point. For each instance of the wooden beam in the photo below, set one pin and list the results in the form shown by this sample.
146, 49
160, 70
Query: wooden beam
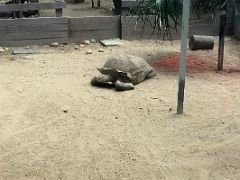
33, 21
223, 19
129, 3
32, 6
183, 55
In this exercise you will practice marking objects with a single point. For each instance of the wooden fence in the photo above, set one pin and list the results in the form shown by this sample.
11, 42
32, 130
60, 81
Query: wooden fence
17, 32
26, 31
133, 29
99, 28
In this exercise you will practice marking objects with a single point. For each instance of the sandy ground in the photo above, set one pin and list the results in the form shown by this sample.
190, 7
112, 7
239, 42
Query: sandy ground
82, 9
55, 125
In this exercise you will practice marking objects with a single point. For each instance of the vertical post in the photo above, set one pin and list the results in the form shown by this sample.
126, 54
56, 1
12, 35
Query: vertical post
20, 12
183, 55
223, 19
14, 12
59, 12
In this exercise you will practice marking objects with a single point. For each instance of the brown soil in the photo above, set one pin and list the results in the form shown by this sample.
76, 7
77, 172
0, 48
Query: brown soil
55, 125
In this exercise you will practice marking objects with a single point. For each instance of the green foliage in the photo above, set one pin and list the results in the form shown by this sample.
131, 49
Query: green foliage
167, 13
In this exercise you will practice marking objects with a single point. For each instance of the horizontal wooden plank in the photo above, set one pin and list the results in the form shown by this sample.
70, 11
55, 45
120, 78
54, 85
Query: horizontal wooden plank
13, 43
132, 20
132, 29
34, 28
129, 3
32, 6
33, 35
147, 31
91, 23
33, 21
204, 29
111, 32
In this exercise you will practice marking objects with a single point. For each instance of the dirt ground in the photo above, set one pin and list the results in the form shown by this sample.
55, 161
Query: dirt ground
55, 125
82, 9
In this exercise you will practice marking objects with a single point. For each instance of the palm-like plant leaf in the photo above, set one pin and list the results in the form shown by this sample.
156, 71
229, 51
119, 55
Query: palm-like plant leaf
167, 13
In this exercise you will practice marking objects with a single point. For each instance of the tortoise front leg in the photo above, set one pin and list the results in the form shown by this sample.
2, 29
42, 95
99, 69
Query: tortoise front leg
121, 86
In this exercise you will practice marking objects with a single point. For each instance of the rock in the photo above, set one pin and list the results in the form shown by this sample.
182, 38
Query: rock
112, 42
81, 46
6, 49
101, 50
89, 51
54, 44
76, 47
2, 50
93, 41
65, 110
86, 42
24, 51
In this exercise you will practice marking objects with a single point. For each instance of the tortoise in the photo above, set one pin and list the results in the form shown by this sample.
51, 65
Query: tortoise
123, 71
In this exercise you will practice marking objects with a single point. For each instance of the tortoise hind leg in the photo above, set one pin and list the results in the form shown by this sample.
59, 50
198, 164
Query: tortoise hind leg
121, 86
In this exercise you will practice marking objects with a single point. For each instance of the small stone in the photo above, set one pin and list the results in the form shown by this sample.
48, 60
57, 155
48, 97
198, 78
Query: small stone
170, 109
81, 45
154, 98
6, 49
116, 117
140, 108
76, 47
86, 42
2, 49
54, 44
101, 50
65, 110
93, 41
89, 51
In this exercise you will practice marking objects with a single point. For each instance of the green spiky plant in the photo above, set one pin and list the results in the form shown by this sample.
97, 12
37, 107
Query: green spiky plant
167, 13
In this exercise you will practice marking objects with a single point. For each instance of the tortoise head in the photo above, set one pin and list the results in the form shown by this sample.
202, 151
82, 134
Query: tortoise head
116, 74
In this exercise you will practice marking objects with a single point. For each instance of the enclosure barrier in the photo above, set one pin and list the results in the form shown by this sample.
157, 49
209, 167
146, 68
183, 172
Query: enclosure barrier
133, 29
45, 30
18, 32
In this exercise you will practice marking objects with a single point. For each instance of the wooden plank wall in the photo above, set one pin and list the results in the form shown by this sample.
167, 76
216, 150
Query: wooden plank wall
17, 32
237, 26
133, 30
99, 28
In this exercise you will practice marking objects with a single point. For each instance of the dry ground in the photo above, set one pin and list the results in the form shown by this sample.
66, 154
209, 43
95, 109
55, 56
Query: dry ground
82, 9
117, 135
